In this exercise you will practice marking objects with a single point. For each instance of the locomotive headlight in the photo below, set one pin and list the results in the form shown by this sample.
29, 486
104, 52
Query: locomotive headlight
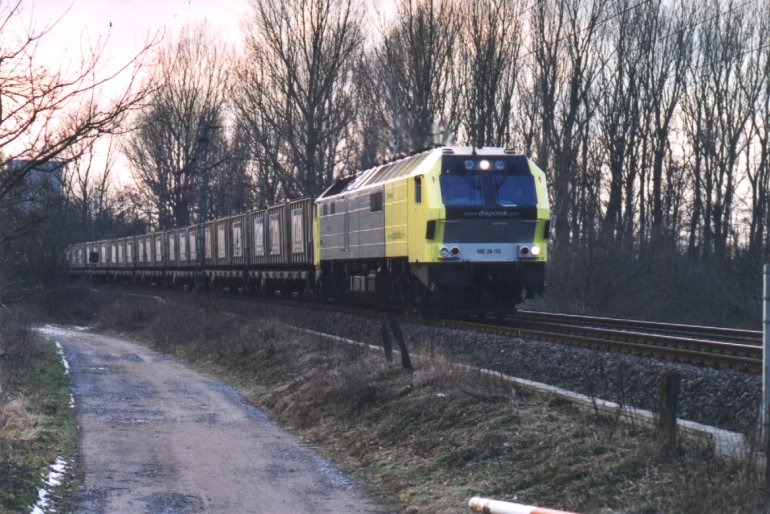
535, 250
484, 165
444, 252
455, 251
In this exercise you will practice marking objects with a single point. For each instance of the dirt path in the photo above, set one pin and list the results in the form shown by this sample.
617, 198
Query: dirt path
158, 437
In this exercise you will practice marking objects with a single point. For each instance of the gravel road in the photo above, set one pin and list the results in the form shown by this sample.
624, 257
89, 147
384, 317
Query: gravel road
158, 437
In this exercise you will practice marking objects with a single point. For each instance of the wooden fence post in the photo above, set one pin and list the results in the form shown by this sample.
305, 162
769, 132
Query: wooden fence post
669, 396
386, 343
406, 362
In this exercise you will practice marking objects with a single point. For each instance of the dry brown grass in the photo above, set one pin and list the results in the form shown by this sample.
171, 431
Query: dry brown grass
36, 422
18, 349
18, 423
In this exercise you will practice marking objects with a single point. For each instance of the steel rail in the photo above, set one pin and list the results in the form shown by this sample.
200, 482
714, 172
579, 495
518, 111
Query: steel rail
740, 356
716, 333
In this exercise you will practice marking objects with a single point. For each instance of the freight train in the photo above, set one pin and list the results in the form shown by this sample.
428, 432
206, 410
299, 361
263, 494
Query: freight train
450, 228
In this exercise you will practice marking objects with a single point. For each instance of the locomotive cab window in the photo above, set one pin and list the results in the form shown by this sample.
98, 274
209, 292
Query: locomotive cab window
418, 190
375, 202
515, 190
461, 190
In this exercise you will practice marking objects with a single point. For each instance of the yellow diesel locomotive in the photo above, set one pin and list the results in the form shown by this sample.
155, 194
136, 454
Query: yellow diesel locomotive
452, 227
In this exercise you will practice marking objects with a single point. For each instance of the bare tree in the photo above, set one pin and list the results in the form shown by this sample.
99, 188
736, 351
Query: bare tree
230, 188
191, 74
667, 38
490, 44
618, 107
720, 103
758, 151
640, 92
563, 64
47, 114
260, 133
413, 73
294, 90
88, 188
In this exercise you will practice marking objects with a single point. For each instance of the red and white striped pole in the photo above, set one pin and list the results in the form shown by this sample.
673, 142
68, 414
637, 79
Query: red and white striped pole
488, 506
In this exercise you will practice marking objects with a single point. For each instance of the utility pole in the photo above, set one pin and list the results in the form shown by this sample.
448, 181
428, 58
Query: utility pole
201, 157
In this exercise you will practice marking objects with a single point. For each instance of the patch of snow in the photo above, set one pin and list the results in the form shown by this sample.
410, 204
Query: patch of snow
51, 330
63, 358
54, 478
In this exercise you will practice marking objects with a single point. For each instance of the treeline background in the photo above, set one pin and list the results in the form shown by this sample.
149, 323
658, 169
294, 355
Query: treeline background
651, 120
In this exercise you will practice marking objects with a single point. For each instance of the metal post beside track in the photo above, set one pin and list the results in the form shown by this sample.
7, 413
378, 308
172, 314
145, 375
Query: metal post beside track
203, 193
766, 369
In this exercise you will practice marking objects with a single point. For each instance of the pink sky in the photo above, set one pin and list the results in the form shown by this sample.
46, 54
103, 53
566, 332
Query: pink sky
122, 26
125, 23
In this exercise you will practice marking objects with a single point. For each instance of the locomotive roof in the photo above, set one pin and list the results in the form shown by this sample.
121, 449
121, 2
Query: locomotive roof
408, 166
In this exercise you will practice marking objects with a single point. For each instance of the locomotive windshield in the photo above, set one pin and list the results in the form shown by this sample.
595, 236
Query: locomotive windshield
514, 190
471, 189
461, 190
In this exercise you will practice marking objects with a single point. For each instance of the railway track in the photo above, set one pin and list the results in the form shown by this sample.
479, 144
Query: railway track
732, 335
704, 346
699, 345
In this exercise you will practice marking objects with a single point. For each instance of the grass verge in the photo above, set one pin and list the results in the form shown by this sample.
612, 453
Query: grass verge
37, 424
424, 441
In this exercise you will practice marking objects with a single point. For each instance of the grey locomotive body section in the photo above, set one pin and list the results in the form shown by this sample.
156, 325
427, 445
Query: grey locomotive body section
353, 226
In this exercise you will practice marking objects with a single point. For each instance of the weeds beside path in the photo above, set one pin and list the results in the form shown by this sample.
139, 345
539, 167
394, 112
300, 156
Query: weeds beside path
37, 424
